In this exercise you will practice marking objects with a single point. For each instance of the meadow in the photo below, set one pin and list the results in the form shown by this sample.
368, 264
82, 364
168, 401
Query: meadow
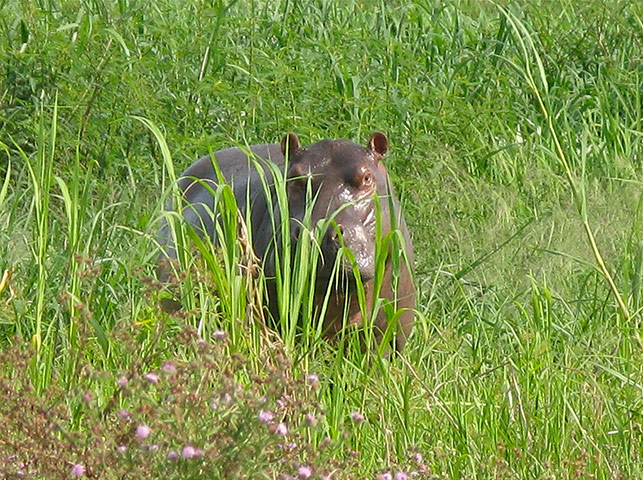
516, 146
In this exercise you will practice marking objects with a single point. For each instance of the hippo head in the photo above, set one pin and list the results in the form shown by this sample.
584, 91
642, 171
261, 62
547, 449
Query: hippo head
345, 178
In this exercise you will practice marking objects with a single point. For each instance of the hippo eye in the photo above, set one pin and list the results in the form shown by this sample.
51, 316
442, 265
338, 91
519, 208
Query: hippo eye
367, 179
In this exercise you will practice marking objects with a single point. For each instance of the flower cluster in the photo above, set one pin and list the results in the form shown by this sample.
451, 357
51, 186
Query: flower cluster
171, 418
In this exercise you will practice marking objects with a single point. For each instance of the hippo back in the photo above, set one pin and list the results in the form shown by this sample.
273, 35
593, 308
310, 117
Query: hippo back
240, 172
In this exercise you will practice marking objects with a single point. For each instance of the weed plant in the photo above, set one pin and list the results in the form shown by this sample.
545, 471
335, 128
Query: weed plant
211, 416
516, 131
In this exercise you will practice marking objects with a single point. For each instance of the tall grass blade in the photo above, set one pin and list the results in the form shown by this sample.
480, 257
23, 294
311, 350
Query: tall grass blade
540, 90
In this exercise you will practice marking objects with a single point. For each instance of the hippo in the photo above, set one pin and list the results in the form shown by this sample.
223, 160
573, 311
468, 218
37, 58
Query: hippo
349, 184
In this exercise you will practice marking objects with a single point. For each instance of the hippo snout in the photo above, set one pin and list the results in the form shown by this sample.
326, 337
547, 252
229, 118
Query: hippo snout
358, 240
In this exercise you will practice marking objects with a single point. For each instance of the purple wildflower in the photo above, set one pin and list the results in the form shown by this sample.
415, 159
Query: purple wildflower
305, 471
78, 470
384, 476
151, 377
143, 431
310, 419
172, 455
401, 476
357, 417
123, 381
124, 414
266, 417
190, 452
281, 429
169, 367
219, 334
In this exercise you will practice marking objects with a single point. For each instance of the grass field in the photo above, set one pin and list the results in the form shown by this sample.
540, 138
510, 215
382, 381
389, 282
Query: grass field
516, 146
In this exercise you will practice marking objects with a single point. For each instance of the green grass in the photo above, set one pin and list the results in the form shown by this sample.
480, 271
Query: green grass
516, 145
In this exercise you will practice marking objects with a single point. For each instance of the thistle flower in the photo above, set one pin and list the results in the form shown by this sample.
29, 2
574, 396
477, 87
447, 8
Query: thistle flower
151, 377
305, 471
172, 455
78, 470
310, 419
357, 417
188, 451
169, 367
281, 429
266, 417
123, 414
219, 334
143, 431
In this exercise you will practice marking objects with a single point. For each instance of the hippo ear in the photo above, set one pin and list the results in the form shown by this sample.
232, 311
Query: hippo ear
289, 145
378, 143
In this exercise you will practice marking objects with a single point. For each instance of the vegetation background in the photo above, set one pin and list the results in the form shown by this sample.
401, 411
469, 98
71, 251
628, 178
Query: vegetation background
516, 145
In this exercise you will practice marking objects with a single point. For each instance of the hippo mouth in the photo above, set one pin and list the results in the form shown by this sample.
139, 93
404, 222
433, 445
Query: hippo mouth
342, 273
344, 279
